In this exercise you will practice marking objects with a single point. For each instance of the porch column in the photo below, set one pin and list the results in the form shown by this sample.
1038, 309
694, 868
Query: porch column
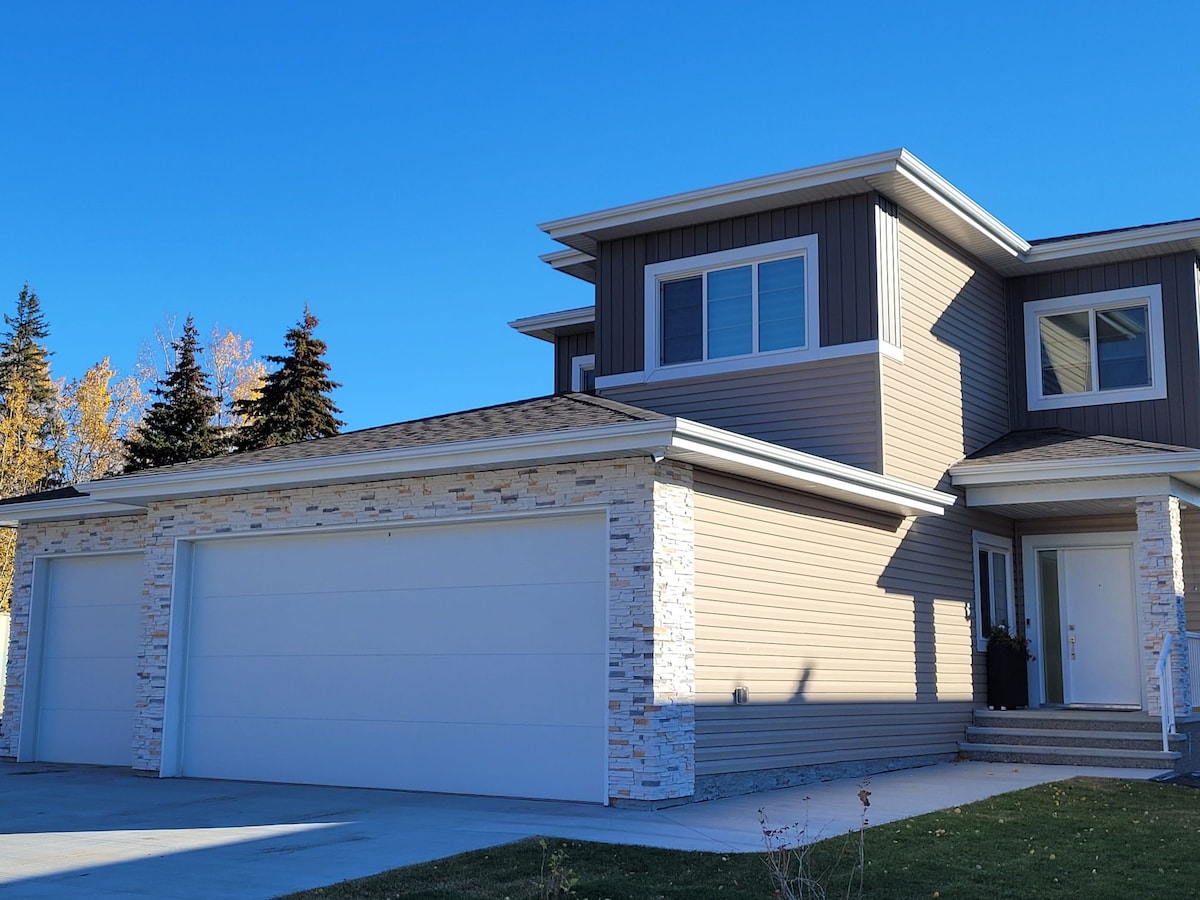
1160, 591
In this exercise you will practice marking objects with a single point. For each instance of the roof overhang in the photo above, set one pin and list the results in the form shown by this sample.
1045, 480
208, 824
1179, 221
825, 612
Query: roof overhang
61, 509
680, 439
898, 175
895, 173
1079, 486
548, 326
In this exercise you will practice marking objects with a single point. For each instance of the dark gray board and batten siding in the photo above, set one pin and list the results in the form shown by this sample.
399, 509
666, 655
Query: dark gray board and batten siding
566, 348
1174, 420
846, 234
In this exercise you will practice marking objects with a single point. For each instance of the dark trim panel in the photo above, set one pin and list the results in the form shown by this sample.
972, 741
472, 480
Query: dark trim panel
845, 230
1174, 420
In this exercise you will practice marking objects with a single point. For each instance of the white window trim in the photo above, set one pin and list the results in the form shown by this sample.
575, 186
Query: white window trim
1157, 389
981, 540
579, 365
657, 273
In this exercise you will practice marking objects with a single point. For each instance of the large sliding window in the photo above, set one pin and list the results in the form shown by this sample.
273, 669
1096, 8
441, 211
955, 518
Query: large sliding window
734, 304
1095, 348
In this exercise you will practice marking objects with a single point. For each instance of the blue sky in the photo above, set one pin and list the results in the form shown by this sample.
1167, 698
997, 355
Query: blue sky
387, 163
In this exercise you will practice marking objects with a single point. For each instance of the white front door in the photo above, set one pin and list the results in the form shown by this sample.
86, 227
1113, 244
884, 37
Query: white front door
1099, 628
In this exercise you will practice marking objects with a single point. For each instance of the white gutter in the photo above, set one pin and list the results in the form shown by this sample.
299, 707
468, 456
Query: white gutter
1168, 463
749, 189
716, 448
680, 439
1125, 239
64, 508
565, 259
543, 326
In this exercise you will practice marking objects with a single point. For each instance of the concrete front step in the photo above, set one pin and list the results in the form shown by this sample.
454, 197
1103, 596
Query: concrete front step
1062, 737
1069, 756
1069, 720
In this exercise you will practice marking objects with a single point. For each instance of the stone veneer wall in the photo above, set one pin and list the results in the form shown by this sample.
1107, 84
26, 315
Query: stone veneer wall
651, 601
76, 536
1160, 597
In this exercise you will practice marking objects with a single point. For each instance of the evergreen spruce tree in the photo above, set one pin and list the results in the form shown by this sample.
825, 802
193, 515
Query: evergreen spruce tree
294, 404
23, 356
178, 426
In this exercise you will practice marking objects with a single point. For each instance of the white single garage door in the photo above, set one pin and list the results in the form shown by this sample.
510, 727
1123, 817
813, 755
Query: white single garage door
87, 689
462, 658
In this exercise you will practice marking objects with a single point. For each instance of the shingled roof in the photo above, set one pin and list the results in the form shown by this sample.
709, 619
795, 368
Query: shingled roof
540, 415
1053, 444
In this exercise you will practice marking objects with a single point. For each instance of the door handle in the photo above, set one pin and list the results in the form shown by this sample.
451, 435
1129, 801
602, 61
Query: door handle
1072, 640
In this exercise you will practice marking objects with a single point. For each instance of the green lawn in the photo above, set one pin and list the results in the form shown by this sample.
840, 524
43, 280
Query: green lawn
1090, 838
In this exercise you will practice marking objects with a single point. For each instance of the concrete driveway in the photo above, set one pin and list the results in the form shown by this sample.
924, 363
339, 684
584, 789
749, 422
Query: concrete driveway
83, 831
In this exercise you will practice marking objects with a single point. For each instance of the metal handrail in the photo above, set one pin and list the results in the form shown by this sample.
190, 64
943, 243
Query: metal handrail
1166, 690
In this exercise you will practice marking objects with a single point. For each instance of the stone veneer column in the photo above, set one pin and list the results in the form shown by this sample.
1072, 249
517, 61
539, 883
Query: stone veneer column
652, 687
1160, 597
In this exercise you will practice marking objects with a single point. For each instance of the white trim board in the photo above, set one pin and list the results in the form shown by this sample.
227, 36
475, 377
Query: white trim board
682, 439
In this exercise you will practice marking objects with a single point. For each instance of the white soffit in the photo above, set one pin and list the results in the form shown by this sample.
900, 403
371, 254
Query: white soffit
681, 439
895, 173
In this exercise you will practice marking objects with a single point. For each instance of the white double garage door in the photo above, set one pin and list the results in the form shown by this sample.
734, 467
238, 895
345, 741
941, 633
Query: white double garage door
462, 658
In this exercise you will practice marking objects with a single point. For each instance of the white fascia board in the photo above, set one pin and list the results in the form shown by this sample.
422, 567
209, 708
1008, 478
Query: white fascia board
749, 189
725, 451
1168, 463
1125, 239
1067, 491
66, 508
565, 259
678, 438
960, 204
543, 326
597, 441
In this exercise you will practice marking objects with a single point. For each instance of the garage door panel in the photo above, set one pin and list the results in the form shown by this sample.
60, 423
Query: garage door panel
109, 736
432, 621
535, 690
92, 630
427, 556
88, 581
412, 659
95, 683
520, 761
87, 666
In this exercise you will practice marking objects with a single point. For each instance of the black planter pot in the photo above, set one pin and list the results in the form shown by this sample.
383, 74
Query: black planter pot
1007, 678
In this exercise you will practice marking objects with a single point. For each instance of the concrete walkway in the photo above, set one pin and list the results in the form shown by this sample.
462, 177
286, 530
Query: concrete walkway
80, 831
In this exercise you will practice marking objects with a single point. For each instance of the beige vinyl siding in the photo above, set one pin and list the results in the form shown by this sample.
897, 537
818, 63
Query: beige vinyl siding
852, 630
829, 407
949, 395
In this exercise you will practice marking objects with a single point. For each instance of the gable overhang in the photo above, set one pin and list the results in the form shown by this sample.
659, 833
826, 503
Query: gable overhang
1088, 486
666, 438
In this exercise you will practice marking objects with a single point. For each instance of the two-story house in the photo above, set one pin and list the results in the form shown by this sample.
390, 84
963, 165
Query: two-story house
818, 434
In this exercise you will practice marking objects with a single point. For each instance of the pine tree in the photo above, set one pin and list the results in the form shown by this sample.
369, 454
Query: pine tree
23, 356
294, 404
178, 426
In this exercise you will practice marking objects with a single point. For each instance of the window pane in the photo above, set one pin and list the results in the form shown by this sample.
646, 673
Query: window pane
1122, 348
1066, 353
682, 321
1000, 590
730, 312
985, 593
781, 304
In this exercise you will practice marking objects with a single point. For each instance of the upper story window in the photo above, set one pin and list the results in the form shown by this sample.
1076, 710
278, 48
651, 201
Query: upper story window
755, 305
1087, 349
583, 374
